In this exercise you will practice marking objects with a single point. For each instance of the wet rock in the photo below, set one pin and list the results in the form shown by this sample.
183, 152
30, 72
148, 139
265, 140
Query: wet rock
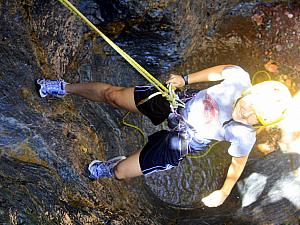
45, 144
271, 187
278, 48
185, 186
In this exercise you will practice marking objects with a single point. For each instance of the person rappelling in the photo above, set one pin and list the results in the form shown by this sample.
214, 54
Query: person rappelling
231, 111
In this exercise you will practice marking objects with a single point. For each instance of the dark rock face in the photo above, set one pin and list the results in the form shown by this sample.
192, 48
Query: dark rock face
45, 144
185, 185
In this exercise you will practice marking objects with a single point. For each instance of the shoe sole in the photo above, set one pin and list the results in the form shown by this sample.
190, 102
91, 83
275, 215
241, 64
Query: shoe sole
38, 87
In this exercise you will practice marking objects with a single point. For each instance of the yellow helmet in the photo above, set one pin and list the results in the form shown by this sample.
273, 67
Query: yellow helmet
270, 101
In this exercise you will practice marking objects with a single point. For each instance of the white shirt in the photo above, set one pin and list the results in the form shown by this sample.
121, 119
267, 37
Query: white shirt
211, 108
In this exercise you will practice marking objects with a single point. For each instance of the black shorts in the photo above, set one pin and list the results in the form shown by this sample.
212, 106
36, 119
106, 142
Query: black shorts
162, 152
157, 154
156, 109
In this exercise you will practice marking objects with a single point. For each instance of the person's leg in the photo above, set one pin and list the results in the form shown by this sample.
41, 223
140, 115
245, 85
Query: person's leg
101, 92
129, 167
157, 155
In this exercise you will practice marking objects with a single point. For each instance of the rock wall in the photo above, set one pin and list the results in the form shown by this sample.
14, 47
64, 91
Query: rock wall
45, 144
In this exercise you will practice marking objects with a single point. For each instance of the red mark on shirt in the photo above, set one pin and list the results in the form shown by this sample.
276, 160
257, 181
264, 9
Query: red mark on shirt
210, 109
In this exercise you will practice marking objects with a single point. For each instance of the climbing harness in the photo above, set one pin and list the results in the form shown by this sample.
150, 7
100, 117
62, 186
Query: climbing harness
168, 93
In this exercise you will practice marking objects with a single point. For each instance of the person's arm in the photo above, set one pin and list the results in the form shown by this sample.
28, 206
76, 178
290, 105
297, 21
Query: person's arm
235, 170
209, 74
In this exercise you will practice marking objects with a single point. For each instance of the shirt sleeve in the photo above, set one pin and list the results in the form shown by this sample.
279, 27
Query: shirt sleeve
236, 74
242, 140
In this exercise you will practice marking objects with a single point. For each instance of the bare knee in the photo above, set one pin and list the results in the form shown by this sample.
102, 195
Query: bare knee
112, 95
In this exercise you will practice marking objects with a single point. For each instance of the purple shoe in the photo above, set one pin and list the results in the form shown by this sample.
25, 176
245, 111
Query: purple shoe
52, 87
100, 169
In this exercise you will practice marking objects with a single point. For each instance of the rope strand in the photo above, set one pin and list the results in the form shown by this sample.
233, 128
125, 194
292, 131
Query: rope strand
130, 60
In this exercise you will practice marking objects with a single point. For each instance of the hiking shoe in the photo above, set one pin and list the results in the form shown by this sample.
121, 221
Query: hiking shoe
52, 87
99, 169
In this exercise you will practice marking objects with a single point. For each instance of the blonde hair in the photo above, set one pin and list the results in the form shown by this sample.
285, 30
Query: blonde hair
270, 101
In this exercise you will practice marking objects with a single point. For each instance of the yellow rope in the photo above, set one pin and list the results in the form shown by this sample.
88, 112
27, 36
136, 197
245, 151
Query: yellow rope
168, 93
260, 72
130, 60
135, 127
191, 156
